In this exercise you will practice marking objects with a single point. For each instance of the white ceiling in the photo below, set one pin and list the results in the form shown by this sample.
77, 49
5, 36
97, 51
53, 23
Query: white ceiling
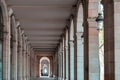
42, 20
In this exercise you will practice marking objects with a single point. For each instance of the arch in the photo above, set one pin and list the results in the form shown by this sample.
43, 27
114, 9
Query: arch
4, 46
44, 58
80, 18
45, 65
5, 14
72, 30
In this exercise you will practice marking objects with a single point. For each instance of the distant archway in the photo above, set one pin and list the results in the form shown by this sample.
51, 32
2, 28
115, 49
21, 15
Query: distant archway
44, 67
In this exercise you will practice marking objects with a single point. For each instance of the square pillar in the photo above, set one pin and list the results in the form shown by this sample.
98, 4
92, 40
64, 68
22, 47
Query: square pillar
64, 58
80, 55
117, 39
71, 43
94, 65
109, 48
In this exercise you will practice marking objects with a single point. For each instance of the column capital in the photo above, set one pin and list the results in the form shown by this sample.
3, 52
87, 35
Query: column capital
66, 47
91, 19
14, 40
116, 0
60, 52
24, 50
92, 22
71, 42
79, 35
5, 32
19, 46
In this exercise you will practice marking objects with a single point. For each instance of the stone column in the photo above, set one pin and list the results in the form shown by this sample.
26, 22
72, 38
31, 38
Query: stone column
55, 67
64, 58
28, 62
75, 48
14, 54
59, 61
110, 49
6, 55
68, 54
25, 66
20, 57
94, 65
63, 75
6, 51
117, 39
66, 50
51, 65
28, 68
93, 43
14, 61
80, 55
24, 57
32, 64
37, 63
71, 43
62, 65
86, 41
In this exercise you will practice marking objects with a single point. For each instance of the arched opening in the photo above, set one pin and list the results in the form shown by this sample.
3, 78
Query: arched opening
44, 67
71, 42
80, 43
1, 43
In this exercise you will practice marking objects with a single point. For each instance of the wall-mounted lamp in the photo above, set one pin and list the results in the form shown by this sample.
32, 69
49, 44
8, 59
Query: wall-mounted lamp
99, 21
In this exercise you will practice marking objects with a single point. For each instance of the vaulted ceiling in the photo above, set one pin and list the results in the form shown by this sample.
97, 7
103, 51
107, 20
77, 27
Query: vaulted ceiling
42, 20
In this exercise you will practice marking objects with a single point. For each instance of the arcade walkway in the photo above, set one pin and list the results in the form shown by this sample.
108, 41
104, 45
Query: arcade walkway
59, 39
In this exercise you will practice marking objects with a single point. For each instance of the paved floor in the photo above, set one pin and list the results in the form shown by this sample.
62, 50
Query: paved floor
44, 78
